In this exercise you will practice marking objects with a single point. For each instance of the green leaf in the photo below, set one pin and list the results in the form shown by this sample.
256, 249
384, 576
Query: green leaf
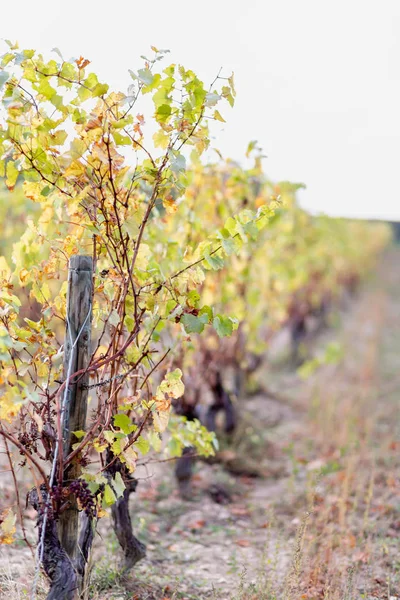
129, 323
163, 113
229, 245
251, 146
124, 423
175, 447
109, 436
155, 440
145, 76
179, 164
57, 101
121, 140
193, 298
308, 368
133, 354
118, 485
45, 89
333, 353
142, 444
94, 481
223, 325
6, 58
108, 496
251, 230
91, 81
208, 311
153, 85
193, 324
213, 261
32, 324
84, 93
231, 226
69, 72
100, 89
4, 76
114, 318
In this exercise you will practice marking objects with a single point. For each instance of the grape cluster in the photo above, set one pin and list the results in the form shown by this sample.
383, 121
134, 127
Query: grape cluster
57, 494
80, 489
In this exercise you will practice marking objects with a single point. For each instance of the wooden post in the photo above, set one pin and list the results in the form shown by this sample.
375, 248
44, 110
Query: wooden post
79, 320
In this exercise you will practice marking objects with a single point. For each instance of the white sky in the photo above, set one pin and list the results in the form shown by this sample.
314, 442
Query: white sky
318, 82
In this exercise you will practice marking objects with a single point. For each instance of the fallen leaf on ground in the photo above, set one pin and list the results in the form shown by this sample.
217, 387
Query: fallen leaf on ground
197, 524
241, 511
243, 543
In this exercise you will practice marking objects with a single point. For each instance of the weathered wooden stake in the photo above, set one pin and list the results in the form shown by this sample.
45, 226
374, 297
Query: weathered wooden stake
79, 313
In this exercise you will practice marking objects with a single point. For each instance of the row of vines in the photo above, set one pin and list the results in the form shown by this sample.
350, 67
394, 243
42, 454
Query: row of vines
196, 267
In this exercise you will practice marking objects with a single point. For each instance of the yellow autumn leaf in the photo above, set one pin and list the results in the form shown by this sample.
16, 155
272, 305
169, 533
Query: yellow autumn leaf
42, 368
260, 201
169, 204
172, 385
70, 245
12, 175
160, 139
143, 256
47, 215
75, 169
100, 352
218, 116
160, 420
10, 405
99, 446
7, 527
32, 190
163, 404
129, 457
5, 270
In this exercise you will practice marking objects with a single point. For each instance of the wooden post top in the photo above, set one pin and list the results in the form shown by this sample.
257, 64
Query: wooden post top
81, 262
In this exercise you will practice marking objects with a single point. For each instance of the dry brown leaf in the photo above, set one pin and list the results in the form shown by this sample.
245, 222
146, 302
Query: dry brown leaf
240, 511
197, 524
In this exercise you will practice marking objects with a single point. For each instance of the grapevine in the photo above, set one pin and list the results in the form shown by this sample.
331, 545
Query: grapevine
196, 267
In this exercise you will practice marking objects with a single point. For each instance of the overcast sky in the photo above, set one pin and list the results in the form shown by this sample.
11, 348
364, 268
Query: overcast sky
318, 82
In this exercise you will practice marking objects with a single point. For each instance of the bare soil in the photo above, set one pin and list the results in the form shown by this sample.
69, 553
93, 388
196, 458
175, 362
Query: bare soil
322, 518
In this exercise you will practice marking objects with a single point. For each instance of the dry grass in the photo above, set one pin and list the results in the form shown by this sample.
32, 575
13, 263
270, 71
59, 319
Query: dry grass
323, 521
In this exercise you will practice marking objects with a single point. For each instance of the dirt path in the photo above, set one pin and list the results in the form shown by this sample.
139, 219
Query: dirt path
324, 519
